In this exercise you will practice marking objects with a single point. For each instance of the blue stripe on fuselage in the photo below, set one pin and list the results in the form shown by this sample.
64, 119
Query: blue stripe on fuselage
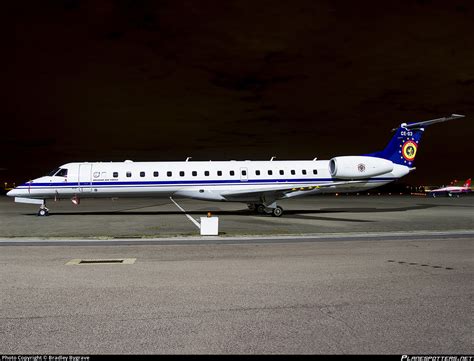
177, 183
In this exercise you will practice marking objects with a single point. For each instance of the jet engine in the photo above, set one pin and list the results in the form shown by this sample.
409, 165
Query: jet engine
358, 167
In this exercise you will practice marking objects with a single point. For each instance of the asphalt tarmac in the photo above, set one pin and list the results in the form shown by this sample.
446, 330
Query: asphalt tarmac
149, 218
344, 275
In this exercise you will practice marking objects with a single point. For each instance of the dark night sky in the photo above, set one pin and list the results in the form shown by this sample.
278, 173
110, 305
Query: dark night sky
162, 80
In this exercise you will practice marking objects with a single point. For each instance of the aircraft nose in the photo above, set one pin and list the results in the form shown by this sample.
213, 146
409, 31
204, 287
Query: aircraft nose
12, 193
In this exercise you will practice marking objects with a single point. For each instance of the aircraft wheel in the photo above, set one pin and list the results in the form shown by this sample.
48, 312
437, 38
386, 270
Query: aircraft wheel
252, 206
43, 212
260, 209
277, 212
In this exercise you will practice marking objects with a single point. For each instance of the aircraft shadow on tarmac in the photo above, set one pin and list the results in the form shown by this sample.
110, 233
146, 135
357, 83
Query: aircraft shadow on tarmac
289, 213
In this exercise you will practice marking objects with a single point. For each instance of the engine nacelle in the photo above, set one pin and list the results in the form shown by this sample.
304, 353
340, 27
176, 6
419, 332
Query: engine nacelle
358, 167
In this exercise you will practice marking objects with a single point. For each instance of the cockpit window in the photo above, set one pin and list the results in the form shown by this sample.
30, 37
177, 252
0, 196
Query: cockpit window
58, 172
62, 173
53, 172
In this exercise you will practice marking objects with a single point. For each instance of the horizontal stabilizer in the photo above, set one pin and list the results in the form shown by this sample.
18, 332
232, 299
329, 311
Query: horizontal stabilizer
419, 125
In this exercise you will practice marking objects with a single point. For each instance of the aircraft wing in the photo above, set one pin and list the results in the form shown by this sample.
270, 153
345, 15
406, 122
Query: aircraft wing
283, 190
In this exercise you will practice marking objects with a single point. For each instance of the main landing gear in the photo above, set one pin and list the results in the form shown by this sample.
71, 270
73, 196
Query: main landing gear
275, 211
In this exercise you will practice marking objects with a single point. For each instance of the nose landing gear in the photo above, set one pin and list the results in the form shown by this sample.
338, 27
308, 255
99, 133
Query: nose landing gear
43, 211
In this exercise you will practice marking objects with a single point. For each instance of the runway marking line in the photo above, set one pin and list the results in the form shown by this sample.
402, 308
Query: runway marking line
292, 237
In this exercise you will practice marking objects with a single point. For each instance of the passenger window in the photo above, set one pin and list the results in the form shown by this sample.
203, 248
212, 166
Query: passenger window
129, 174
206, 173
232, 172
303, 171
169, 174
142, 174
155, 174
195, 173
282, 172
181, 174
219, 173
115, 174
244, 172
315, 171
270, 172
257, 172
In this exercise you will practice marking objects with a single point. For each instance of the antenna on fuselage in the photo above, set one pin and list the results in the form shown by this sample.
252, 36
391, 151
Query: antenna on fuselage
188, 158
271, 160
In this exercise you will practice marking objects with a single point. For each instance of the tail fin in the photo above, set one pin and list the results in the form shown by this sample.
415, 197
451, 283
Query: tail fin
403, 146
467, 184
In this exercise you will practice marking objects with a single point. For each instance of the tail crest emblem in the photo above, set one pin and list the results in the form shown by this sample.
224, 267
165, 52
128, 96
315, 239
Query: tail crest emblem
409, 150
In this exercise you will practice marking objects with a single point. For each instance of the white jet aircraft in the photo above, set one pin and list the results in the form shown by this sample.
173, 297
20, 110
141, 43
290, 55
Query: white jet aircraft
260, 184
452, 190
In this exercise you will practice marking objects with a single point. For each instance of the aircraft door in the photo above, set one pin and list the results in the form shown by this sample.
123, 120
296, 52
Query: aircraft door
85, 178
244, 175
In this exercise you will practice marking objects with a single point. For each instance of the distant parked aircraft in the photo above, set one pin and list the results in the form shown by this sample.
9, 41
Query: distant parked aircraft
452, 190
260, 184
